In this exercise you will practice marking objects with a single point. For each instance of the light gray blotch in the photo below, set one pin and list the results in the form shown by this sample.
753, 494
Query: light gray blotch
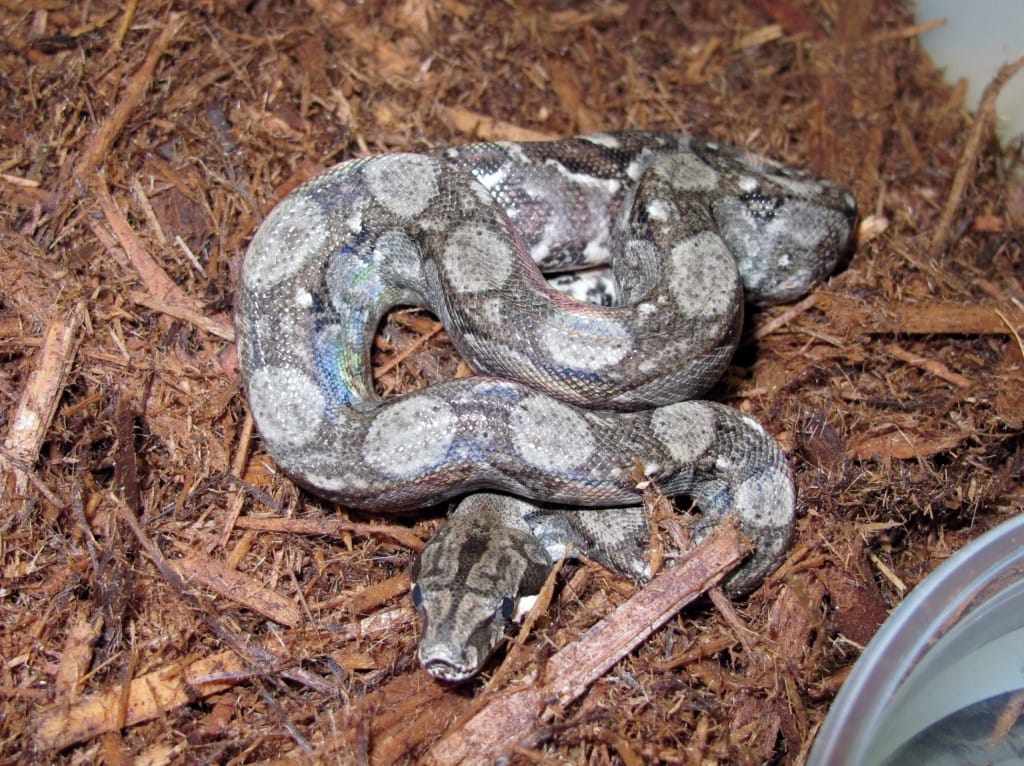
566, 338
404, 184
476, 259
294, 232
703, 275
687, 429
688, 172
766, 499
287, 404
551, 435
410, 436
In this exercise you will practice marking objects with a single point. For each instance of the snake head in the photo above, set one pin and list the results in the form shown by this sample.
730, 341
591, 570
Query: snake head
473, 582
786, 229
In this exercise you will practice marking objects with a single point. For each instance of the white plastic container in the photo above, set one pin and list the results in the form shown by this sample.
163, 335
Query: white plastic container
978, 38
932, 684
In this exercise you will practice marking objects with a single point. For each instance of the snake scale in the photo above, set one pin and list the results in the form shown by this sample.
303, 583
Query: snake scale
572, 398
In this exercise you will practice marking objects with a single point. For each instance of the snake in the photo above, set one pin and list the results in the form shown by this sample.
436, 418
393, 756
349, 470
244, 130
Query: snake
596, 287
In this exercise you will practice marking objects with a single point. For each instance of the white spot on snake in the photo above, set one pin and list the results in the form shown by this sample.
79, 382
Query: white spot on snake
636, 168
605, 188
303, 298
293, 232
335, 482
410, 436
658, 210
748, 184
703, 276
493, 179
596, 251
687, 429
482, 193
752, 424
551, 435
476, 259
354, 221
287, 405
404, 184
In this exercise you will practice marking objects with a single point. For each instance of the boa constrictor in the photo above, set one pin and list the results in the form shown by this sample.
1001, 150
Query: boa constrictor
573, 399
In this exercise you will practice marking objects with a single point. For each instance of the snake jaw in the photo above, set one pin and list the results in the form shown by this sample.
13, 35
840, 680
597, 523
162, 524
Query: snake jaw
473, 582
449, 664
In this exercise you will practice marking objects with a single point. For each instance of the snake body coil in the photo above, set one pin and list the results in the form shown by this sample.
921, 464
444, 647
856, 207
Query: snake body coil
572, 396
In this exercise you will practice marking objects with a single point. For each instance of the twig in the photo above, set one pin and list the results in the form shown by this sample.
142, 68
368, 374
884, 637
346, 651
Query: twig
177, 684
182, 681
25, 469
215, 325
237, 470
1007, 719
216, 577
488, 128
134, 93
1012, 329
332, 528
405, 353
125, 25
164, 294
784, 318
936, 368
903, 32
969, 159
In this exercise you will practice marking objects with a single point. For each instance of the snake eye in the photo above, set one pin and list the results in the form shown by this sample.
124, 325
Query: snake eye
416, 594
508, 608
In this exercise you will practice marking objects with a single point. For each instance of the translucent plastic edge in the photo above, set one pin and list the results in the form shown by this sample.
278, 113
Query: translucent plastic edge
904, 637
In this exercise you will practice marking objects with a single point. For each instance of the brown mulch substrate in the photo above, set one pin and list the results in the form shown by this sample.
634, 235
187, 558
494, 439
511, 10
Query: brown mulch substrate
167, 596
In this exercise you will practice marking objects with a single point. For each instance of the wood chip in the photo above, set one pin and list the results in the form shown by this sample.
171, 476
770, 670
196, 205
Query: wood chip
38, 403
240, 588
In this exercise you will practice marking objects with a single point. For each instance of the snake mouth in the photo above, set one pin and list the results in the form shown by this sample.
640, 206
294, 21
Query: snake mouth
449, 671
450, 664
